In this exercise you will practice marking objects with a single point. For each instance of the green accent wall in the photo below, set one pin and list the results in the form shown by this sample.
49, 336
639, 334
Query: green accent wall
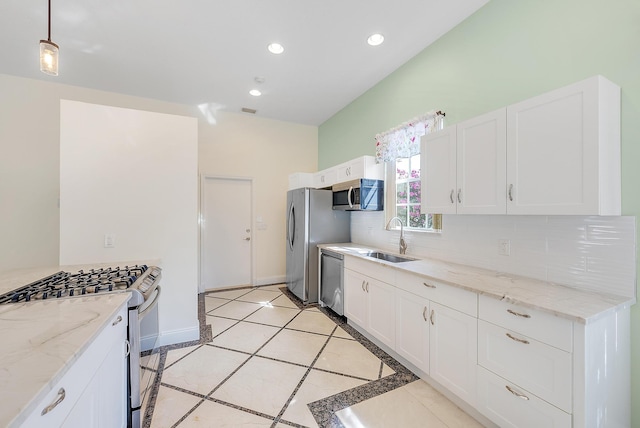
508, 51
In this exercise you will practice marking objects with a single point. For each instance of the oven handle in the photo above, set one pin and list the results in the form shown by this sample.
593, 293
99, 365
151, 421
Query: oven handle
152, 304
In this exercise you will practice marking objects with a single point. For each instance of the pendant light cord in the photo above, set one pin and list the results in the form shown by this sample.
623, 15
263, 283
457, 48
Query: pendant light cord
49, 21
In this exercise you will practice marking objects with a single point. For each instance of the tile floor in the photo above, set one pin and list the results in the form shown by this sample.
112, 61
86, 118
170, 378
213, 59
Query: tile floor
266, 362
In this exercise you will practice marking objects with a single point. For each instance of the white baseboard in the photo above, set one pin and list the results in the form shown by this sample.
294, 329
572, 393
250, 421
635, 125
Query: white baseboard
268, 280
179, 336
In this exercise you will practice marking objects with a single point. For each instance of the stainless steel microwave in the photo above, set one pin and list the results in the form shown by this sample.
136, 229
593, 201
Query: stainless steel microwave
359, 195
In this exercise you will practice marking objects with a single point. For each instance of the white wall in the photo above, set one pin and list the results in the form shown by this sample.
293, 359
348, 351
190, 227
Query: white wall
233, 144
267, 151
589, 253
132, 174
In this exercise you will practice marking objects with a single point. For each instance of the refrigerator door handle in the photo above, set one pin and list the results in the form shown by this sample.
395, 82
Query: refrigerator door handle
292, 226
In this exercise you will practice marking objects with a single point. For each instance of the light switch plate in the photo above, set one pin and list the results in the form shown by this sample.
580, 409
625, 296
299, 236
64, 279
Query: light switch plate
109, 240
504, 247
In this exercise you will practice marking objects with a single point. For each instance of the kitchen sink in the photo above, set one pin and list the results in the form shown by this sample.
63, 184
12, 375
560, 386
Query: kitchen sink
388, 257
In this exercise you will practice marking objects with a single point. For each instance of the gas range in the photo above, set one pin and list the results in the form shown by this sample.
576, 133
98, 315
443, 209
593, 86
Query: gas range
139, 279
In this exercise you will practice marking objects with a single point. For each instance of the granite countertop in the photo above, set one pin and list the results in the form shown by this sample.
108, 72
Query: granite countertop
560, 300
41, 340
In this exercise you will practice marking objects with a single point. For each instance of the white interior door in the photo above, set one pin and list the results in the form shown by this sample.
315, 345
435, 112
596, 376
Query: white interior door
226, 233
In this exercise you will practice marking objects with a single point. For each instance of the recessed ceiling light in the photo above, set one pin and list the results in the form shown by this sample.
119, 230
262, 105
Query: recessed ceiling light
275, 48
255, 92
375, 39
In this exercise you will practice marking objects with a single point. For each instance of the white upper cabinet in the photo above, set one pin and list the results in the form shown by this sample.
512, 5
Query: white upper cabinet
438, 170
563, 151
465, 167
481, 164
325, 178
361, 167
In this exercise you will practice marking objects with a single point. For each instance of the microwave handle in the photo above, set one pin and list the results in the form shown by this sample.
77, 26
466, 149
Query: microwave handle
349, 197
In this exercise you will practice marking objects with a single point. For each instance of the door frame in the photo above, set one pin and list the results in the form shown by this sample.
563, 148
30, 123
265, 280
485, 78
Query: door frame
201, 216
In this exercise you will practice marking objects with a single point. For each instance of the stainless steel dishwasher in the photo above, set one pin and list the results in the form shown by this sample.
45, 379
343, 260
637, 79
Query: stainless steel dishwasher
331, 281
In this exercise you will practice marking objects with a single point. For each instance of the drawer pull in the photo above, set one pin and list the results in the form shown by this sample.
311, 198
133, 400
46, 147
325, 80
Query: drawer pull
526, 342
424, 313
117, 321
431, 317
363, 285
518, 314
516, 393
428, 285
50, 407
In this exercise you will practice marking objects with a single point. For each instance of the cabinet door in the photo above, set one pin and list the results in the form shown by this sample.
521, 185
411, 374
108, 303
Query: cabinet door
438, 170
325, 178
561, 147
382, 310
355, 297
482, 163
102, 403
412, 329
453, 341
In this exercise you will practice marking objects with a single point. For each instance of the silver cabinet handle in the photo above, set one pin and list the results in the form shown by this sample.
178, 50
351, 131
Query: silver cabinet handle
451, 196
428, 285
424, 313
510, 336
117, 321
59, 398
367, 286
126, 342
247, 239
459, 199
363, 281
511, 192
517, 394
518, 314
431, 317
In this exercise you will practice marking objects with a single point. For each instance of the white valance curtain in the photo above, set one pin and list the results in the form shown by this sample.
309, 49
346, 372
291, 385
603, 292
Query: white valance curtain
403, 141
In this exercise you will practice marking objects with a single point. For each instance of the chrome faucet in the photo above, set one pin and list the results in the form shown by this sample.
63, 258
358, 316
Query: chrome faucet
403, 245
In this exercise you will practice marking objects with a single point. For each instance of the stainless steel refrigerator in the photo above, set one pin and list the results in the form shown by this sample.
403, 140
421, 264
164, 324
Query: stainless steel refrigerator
311, 220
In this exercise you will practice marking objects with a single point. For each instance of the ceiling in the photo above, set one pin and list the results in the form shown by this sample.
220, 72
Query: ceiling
209, 52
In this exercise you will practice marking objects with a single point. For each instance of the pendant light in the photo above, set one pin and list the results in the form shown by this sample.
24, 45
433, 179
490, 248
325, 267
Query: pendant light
49, 53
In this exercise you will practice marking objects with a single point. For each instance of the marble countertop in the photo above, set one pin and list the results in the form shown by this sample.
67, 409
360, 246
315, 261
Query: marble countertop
560, 300
41, 340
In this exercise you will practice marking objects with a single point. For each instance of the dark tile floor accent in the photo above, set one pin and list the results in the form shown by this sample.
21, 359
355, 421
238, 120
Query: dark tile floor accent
323, 410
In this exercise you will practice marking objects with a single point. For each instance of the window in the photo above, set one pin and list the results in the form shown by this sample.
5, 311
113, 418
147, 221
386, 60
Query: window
403, 195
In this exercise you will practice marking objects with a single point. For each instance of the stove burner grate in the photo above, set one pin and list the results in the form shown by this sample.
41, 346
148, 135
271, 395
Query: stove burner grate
66, 284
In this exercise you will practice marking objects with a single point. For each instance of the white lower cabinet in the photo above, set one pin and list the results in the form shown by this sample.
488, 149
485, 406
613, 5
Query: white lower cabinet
93, 392
516, 366
507, 405
412, 329
370, 304
453, 343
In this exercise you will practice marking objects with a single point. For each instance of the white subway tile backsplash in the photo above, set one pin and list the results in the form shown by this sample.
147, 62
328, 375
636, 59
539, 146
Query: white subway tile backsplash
586, 252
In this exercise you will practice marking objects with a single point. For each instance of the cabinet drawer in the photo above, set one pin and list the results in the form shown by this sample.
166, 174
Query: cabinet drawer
453, 297
538, 325
75, 381
509, 406
539, 368
372, 269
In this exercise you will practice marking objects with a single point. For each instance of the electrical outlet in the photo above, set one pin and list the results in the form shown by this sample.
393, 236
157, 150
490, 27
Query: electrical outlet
109, 240
504, 247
